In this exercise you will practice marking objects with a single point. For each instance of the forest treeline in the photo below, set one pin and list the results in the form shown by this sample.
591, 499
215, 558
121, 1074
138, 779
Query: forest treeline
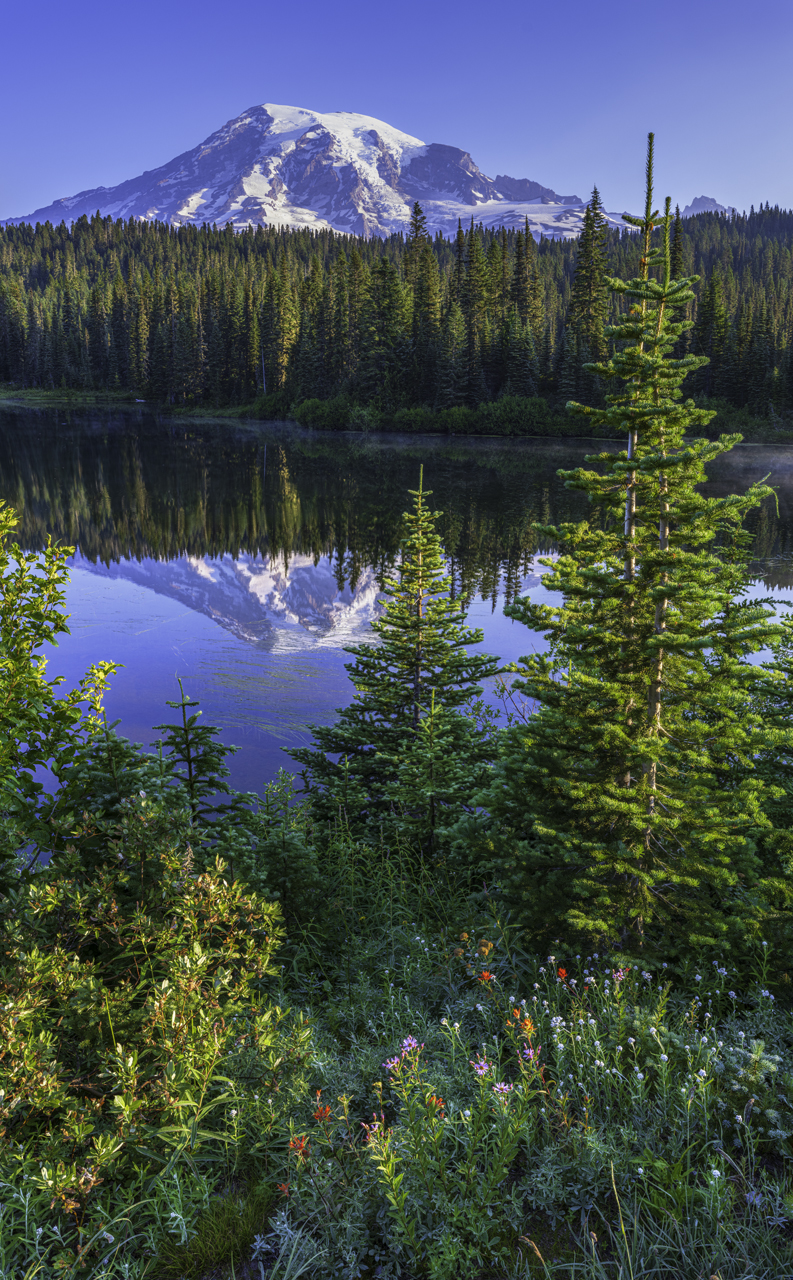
397, 327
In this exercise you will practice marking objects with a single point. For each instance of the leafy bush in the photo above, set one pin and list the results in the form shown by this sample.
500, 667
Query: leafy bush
138, 1033
324, 415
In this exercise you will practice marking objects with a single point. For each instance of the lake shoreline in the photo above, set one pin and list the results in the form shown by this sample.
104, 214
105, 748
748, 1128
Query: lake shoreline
753, 430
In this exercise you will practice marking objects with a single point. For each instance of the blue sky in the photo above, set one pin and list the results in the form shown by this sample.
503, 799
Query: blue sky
93, 93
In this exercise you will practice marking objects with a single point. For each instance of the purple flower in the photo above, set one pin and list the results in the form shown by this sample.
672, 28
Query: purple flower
481, 1066
502, 1090
530, 1054
409, 1043
392, 1064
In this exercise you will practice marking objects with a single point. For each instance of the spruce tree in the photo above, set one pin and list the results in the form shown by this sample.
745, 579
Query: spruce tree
420, 666
589, 295
625, 803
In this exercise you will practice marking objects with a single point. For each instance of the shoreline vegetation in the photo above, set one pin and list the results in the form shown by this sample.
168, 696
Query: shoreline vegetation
487, 333
512, 417
488, 997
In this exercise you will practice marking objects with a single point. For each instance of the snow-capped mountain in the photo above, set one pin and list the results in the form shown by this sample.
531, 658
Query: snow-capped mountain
261, 601
287, 166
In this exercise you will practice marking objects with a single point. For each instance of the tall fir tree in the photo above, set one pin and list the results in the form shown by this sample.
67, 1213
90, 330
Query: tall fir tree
621, 814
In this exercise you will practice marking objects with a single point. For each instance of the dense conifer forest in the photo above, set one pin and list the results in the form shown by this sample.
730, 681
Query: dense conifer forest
351, 331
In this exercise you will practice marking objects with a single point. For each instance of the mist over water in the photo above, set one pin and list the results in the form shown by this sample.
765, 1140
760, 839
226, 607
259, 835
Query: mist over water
243, 558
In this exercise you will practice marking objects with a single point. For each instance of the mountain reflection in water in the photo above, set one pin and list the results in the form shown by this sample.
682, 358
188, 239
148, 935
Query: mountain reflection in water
244, 557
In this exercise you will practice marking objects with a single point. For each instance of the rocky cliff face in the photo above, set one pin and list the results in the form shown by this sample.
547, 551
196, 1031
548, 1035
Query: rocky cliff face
287, 166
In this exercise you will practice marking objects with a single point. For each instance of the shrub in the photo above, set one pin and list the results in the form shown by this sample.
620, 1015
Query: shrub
324, 415
137, 1030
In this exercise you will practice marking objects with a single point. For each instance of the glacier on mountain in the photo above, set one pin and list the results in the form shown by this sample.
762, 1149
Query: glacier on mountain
287, 166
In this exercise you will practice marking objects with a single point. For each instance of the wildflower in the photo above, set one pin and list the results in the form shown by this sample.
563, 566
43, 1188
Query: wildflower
714, 1173
640, 1170
393, 1064
631, 1040
283, 1187
409, 1044
502, 1090
530, 1054
322, 1114
664, 1057
481, 1066
372, 1130
562, 973
485, 976
435, 1104
299, 1146
639, 1075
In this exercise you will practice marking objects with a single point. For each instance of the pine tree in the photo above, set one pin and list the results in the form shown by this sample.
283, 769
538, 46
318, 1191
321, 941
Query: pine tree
589, 296
676, 262
622, 815
421, 666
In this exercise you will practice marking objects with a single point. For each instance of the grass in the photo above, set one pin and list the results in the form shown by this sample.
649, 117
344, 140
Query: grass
222, 1239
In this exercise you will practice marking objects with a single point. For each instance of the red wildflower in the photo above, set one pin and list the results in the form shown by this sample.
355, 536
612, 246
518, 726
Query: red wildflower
283, 1187
562, 973
321, 1114
485, 976
299, 1146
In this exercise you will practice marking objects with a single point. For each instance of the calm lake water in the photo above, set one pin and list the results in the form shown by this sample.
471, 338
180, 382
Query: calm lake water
243, 558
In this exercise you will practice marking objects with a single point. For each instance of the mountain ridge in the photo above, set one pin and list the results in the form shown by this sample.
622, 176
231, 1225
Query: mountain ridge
288, 166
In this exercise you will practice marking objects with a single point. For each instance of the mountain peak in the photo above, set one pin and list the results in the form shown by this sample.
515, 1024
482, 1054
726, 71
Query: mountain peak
277, 165
705, 204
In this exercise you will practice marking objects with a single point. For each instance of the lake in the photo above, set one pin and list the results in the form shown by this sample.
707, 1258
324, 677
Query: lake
244, 557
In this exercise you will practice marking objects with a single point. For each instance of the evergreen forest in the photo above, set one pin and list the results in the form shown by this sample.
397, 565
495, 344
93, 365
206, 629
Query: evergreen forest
486, 332
477, 989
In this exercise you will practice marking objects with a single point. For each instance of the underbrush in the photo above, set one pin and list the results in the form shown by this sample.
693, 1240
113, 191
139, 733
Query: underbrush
460, 1108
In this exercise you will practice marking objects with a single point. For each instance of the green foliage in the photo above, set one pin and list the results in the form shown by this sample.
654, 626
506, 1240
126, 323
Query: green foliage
139, 1036
224, 1235
629, 798
421, 667
40, 730
200, 316
193, 753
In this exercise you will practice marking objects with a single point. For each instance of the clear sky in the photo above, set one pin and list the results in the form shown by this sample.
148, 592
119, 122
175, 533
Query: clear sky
95, 92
